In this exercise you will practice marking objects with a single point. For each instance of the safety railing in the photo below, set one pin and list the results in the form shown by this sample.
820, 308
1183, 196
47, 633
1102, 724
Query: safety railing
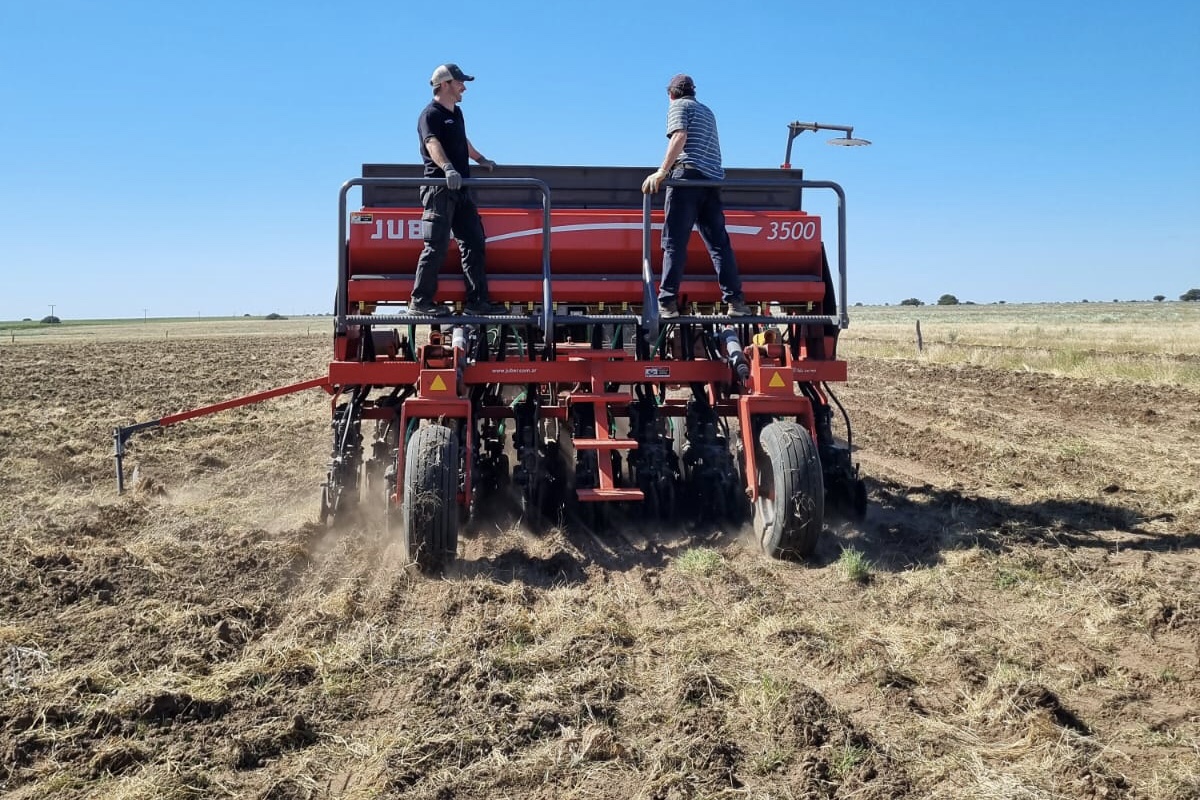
340, 305
650, 312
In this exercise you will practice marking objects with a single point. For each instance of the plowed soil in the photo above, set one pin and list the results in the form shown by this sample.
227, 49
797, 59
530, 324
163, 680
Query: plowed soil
1027, 624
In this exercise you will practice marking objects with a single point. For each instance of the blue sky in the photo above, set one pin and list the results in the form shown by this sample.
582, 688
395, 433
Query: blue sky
181, 159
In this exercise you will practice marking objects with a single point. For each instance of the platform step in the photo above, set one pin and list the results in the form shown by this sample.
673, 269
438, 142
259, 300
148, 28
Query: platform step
608, 495
613, 398
605, 444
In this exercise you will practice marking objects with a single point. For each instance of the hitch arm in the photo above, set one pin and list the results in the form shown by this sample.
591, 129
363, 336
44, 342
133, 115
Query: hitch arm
121, 435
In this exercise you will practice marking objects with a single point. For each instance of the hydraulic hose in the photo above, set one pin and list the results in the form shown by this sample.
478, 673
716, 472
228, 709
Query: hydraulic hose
733, 351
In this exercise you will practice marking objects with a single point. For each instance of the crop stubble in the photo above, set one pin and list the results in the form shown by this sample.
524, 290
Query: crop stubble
1028, 627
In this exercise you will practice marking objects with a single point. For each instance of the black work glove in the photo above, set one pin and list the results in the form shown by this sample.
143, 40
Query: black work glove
453, 178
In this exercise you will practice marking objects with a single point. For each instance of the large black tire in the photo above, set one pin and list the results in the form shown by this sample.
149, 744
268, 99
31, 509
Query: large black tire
790, 510
430, 504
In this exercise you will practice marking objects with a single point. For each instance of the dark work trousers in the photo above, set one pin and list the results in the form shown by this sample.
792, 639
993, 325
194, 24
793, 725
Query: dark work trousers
447, 212
700, 206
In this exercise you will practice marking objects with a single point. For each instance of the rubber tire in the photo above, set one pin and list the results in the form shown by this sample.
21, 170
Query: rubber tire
430, 505
788, 467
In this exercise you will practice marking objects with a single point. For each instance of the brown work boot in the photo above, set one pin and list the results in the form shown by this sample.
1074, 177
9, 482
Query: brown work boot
738, 308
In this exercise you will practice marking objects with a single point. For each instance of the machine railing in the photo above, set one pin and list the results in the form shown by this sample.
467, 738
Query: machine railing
842, 320
650, 315
340, 305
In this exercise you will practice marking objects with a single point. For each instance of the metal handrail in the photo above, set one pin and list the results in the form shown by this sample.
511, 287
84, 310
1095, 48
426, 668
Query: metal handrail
650, 315
340, 304
651, 312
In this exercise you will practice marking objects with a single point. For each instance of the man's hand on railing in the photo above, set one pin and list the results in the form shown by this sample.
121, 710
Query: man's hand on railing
653, 181
486, 163
453, 178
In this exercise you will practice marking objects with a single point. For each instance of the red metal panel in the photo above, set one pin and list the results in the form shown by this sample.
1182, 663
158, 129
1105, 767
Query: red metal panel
384, 373
428, 408
408, 373
388, 241
773, 380
819, 371
438, 383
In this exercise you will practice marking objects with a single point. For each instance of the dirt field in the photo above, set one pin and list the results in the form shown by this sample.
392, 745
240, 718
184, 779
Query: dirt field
1017, 617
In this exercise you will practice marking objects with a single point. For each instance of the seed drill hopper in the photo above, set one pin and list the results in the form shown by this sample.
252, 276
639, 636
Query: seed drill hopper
581, 403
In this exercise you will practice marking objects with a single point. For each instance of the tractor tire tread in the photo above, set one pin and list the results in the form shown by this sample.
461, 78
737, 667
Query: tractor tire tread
799, 490
430, 497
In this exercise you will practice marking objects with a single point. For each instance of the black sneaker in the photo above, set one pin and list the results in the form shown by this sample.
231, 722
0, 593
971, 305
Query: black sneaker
668, 310
485, 308
738, 308
417, 308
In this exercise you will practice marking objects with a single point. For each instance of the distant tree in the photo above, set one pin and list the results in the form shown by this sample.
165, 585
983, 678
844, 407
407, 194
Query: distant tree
968, 302
27, 319
912, 301
947, 300
1158, 298
50, 320
1084, 300
245, 315
858, 304
273, 315
1191, 295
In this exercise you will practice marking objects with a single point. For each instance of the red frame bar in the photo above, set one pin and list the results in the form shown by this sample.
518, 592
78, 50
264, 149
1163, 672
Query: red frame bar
313, 383
571, 370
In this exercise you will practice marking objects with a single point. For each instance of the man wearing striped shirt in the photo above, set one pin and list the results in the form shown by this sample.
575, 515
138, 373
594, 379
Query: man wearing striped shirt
693, 153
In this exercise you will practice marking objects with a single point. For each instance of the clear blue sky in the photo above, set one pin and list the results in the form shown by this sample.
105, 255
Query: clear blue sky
185, 158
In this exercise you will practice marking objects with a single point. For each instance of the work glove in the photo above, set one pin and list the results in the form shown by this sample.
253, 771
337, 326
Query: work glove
653, 181
453, 178
486, 163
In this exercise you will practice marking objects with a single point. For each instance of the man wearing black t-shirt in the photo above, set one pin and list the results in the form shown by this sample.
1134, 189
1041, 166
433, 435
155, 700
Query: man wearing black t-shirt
447, 151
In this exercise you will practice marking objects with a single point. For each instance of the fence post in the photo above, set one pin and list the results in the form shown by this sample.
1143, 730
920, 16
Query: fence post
920, 343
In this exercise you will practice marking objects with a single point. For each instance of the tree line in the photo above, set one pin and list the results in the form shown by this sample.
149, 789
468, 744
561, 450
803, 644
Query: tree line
1190, 296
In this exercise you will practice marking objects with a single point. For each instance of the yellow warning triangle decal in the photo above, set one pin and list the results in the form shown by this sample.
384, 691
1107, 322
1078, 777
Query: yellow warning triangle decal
776, 381
438, 384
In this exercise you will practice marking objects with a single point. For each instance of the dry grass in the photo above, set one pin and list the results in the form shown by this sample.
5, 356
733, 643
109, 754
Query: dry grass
1153, 343
1028, 629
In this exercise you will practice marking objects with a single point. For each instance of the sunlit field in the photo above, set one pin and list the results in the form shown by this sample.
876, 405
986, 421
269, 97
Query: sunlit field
1146, 341
1014, 618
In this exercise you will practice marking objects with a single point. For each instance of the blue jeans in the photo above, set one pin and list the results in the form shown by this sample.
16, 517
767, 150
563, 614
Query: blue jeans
698, 206
449, 212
